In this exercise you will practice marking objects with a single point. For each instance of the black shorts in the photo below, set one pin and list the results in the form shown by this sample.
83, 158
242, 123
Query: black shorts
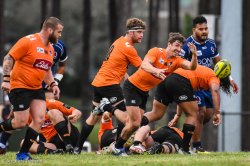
134, 96
108, 137
112, 92
166, 134
21, 98
175, 88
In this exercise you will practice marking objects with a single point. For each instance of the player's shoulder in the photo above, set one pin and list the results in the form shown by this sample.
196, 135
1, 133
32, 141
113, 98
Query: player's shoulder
210, 41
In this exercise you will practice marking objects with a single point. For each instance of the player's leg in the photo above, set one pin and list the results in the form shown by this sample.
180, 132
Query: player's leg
61, 125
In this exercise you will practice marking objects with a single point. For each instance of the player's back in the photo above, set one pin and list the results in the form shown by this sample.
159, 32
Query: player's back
114, 67
199, 78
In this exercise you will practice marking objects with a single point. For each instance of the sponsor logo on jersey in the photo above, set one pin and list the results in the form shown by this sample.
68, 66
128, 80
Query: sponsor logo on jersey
212, 49
113, 99
40, 50
183, 97
199, 53
127, 44
206, 62
205, 47
42, 64
161, 61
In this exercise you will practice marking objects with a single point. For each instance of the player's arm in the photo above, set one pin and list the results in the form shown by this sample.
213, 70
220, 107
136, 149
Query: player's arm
191, 65
8, 64
142, 133
214, 88
60, 71
49, 80
75, 116
176, 117
148, 67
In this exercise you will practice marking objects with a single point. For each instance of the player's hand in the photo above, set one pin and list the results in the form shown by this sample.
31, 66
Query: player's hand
192, 48
5, 86
56, 91
74, 116
234, 86
160, 73
174, 120
216, 119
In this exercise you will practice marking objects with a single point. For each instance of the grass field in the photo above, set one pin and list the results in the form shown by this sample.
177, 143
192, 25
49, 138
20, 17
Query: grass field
220, 159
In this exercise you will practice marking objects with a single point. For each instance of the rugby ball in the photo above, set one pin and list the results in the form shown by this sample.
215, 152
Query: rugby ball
222, 69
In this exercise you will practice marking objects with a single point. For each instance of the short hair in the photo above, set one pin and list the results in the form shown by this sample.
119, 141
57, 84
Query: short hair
199, 20
174, 36
135, 24
51, 22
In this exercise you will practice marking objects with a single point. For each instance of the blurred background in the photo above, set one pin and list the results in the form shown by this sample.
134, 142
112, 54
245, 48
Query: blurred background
90, 26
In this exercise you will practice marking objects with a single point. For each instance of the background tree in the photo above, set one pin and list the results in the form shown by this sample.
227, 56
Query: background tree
245, 77
173, 15
85, 59
56, 8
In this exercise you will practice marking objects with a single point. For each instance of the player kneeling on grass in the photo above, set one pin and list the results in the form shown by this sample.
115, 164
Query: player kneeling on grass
164, 140
58, 134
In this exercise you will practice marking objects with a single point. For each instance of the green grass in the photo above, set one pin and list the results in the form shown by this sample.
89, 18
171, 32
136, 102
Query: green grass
220, 159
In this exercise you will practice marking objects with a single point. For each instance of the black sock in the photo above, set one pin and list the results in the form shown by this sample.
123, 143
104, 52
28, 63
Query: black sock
188, 131
5, 137
196, 144
41, 149
120, 126
30, 137
62, 130
86, 130
119, 143
6, 125
144, 121
137, 143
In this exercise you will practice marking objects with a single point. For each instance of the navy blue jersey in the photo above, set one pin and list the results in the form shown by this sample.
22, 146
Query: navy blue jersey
205, 52
60, 55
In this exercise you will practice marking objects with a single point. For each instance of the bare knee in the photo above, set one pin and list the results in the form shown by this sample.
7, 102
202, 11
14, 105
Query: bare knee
55, 115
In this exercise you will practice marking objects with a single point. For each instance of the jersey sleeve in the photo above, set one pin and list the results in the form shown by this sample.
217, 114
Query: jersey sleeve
153, 54
62, 107
64, 55
215, 80
20, 49
133, 56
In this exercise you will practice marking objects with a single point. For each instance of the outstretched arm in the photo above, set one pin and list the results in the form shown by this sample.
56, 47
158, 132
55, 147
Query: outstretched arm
8, 64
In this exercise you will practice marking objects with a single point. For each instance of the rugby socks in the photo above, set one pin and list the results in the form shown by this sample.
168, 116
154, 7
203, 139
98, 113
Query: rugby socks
144, 121
120, 126
120, 142
188, 131
5, 137
6, 125
41, 149
62, 130
86, 130
196, 144
30, 137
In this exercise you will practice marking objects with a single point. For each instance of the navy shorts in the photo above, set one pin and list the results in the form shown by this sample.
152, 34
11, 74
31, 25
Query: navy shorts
204, 98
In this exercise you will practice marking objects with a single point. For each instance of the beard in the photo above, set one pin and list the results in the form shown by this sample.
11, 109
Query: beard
52, 38
202, 38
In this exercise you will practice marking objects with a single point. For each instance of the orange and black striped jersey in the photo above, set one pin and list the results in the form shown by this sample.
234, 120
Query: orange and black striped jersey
158, 58
114, 67
32, 60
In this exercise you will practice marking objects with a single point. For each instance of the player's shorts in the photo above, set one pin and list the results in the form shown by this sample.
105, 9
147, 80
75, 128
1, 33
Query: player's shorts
113, 93
166, 134
204, 98
134, 96
175, 88
21, 98
108, 137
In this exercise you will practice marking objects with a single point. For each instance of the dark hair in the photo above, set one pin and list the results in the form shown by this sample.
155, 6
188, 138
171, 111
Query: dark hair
51, 22
174, 36
199, 20
225, 85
